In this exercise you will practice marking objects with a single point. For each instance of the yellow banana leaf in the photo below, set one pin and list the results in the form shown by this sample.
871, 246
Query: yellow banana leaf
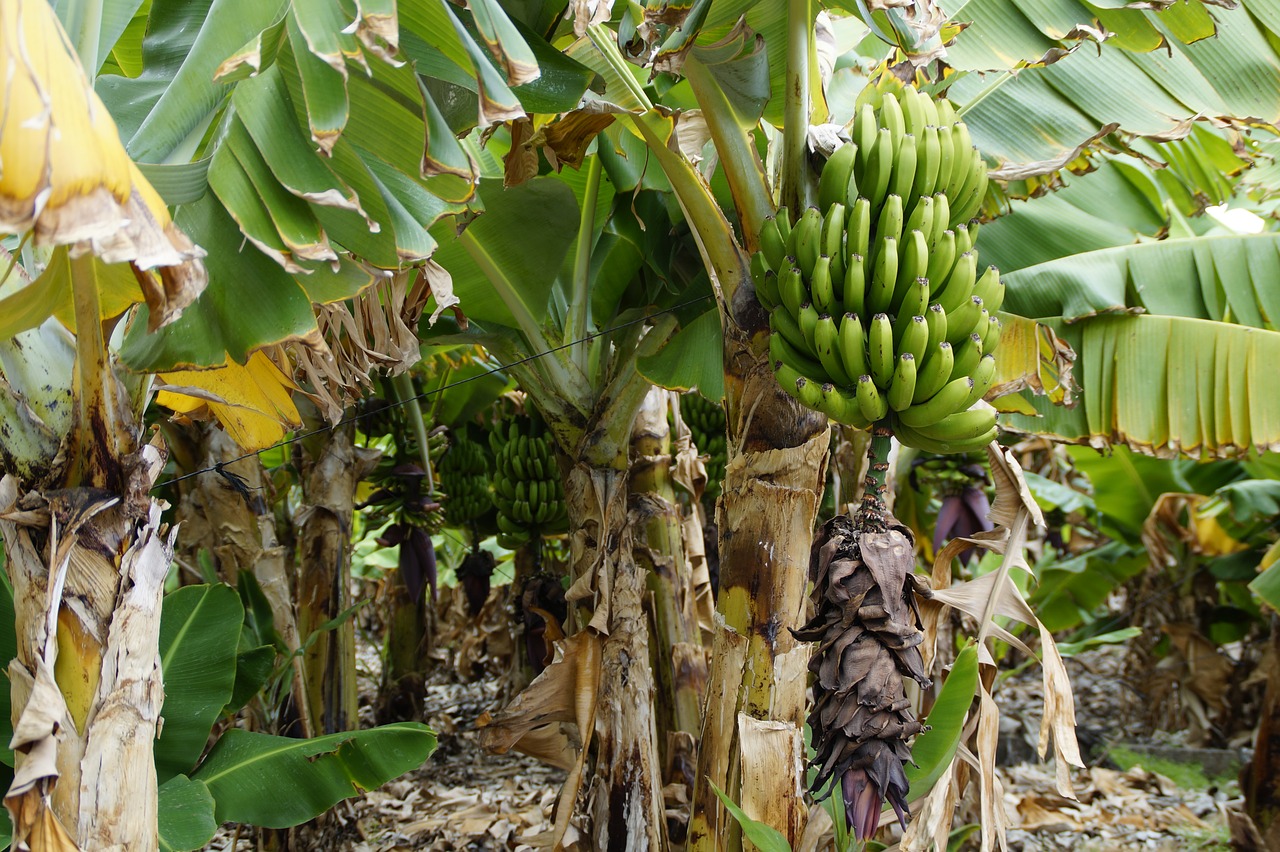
251, 401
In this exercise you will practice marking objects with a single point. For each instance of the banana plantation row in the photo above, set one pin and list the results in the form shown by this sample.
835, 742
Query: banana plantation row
767, 347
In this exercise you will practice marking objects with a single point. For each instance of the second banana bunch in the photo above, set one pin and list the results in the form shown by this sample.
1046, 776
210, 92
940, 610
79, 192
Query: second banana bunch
877, 306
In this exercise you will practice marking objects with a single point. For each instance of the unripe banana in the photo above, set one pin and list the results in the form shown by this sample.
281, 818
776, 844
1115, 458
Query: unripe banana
904, 170
913, 264
783, 220
884, 277
946, 112
991, 289
826, 339
796, 385
821, 287
984, 375
953, 397
947, 157
871, 401
936, 317
991, 336
963, 145
892, 119
880, 350
858, 229
968, 201
956, 289
842, 406
889, 224
807, 237
934, 373
963, 321
964, 238
967, 355
903, 386
942, 257
913, 438
833, 239
853, 346
875, 185
912, 333
772, 245
964, 426
784, 325
799, 360
855, 284
866, 134
833, 183
928, 160
921, 217
791, 289
913, 111
915, 301
941, 218
765, 280
808, 321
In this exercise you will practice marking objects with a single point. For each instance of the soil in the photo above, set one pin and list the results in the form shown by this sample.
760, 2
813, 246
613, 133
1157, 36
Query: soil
467, 799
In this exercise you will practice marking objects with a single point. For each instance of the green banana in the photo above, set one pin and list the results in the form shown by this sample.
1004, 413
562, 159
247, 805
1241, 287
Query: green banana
782, 219
984, 376
842, 406
912, 264
766, 290
956, 289
892, 119
990, 288
936, 317
964, 238
953, 397
807, 238
853, 346
855, 284
889, 225
833, 239
821, 287
963, 321
915, 301
799, 387
928, 159
871, 402
880, 350
904, 170
826, 339
942, 257
912, 333
797, 359
884, 277
772, 245
968, 201
858, 229
913, 438
934, 373
921, 218
913, 110
791, 289
968, 425
808, 320
833, 183
903, 386
875, 184
967, 355
866, 131
784, 324
946, 112
963, 146
946, 156
991, 336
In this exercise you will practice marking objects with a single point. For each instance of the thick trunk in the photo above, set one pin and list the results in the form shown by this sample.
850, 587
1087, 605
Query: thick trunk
679, 661
624, 790
88, 571
238, 527
324, 582
409, 622
773, 484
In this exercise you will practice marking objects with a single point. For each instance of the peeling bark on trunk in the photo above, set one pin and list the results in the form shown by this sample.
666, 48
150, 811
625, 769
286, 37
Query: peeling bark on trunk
624, 790
88, 571
324, 582
679, 661
241, 535
773, 484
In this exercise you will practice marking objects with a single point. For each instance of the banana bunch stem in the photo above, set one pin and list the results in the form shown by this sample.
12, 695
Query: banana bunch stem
874, 506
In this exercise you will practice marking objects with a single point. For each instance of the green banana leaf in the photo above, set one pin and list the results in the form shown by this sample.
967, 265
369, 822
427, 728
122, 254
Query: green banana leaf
932, 751
764, 837
278, 782
200, 630
186, 815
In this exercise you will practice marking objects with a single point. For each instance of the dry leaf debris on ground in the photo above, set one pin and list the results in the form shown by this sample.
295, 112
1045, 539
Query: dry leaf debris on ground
467, 799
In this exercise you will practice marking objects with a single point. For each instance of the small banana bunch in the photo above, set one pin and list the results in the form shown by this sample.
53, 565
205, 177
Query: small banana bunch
526, 485
705, 420
464, 476
878, 308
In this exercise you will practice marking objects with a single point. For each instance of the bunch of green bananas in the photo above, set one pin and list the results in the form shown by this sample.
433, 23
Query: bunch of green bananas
464, 476
526, 484
705, 420
878, 310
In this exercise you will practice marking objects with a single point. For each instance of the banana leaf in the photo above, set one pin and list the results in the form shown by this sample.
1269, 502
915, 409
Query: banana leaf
279, 782
186, 815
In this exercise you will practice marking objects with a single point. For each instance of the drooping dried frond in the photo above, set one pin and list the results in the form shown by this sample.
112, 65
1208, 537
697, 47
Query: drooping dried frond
375, 332
64, 174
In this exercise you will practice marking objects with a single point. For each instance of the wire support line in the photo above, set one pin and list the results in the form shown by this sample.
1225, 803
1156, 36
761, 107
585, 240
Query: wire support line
302, 436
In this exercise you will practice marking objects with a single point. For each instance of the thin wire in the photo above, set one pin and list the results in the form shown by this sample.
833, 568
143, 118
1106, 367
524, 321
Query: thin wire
301, 436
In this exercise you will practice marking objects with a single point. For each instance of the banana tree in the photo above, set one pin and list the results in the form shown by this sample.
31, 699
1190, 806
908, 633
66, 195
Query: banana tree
254, 102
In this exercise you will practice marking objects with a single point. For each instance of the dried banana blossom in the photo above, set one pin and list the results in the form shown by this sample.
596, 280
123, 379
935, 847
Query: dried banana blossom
868, 627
